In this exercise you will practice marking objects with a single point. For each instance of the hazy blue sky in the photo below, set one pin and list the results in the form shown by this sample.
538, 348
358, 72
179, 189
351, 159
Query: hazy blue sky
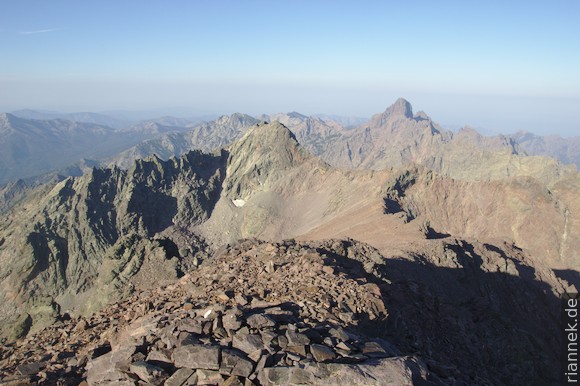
502, 65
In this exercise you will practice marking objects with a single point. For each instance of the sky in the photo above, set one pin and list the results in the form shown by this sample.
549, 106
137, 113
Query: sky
500, 66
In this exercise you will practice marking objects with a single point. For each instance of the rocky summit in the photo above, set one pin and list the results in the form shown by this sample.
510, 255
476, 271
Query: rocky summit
327, 313
298, 252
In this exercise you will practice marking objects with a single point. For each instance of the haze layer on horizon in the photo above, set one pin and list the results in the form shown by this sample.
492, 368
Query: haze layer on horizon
502, 67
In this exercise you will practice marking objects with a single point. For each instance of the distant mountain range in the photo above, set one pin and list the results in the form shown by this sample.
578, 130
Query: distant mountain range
31, 147
393, 138
61, 141
563, 149
207, 136
95, 118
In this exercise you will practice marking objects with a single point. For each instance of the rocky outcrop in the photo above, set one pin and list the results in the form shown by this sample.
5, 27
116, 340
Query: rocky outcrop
88, 238
520, 210
323, 314
262, 156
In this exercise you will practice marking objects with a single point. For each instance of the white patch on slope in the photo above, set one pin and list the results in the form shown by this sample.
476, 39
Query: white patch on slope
239, 202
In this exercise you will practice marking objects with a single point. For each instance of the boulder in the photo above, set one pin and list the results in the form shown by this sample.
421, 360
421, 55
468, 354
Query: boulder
197, 357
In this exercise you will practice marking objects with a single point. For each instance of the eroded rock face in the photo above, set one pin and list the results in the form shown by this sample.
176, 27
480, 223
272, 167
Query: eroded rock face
541, 220
398, 138
263, 155
89, 237
323, 313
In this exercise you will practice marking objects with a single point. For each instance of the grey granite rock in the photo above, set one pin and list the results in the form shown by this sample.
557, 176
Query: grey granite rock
197, 357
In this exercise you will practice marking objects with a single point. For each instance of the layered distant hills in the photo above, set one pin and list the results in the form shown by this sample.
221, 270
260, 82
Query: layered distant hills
33, 143
86, 117
448, 251
563, 149
31, 147
393, 138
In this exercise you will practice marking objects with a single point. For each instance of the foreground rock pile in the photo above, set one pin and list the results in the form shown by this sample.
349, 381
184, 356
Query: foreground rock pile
333, 312
259, 314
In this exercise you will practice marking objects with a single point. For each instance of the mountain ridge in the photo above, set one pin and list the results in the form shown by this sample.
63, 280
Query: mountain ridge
392, 138
85, 117
207, 136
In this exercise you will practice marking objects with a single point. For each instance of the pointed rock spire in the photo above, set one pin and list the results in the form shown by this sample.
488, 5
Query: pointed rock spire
401, 107
260, 156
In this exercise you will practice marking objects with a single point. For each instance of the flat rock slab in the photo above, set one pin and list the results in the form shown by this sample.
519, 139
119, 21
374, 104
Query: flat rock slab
322, 353
208, 377
385, 372
30, 368
104, 369
179, 377
232, 381
248, 343
160, 359
235, 363
197, 357
148, 373
374, 350
192, 325
296, 338
260, 321
230, 321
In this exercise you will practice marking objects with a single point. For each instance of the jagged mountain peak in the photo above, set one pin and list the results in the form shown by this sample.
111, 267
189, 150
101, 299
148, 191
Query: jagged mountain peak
422, 116
400, 110
260, 156
401, 107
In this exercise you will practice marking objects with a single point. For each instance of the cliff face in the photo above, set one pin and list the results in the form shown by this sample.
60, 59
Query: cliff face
57, 247
261, 157
519, 209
